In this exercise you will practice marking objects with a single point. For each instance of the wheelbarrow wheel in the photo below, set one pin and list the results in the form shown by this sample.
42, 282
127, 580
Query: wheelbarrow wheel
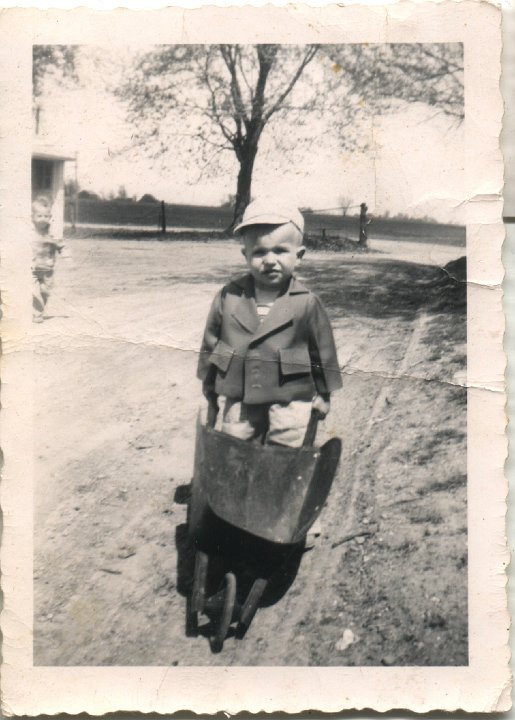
251, 605
226, 615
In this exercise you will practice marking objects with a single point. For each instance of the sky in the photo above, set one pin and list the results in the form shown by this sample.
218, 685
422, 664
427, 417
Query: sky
413, 167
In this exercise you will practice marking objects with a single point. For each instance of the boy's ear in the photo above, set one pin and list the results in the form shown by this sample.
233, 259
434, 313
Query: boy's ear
300, 252
243, 251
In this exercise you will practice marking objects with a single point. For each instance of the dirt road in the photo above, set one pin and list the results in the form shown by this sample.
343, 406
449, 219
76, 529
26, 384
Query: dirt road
117, 398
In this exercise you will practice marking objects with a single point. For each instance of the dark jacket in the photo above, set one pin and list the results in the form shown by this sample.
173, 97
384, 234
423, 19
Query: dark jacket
289, 356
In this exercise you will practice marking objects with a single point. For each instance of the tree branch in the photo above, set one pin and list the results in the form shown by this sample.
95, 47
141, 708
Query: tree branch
215, 113
280, 100
242, 72
266, 57
237, 99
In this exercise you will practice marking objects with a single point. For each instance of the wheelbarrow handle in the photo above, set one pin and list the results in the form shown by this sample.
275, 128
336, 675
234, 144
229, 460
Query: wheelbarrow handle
311, 430
212, 412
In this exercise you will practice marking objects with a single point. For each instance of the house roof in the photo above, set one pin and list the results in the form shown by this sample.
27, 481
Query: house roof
48, 151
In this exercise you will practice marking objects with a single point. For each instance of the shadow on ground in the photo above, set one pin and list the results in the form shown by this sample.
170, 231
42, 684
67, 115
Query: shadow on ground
384, 288
371, 287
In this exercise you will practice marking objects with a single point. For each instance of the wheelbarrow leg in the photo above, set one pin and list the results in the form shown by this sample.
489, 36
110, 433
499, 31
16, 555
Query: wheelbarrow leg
251, 605
198, 593
196, 600
229, 598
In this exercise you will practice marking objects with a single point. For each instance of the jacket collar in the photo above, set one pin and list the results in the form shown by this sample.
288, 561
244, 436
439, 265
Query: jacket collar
280, 314
247, 283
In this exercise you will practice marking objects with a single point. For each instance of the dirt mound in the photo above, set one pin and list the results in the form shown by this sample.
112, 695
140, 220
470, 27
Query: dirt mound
457, 269
335, 243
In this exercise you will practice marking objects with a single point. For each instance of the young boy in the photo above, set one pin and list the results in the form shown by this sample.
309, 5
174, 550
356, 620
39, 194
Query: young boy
268, 347
44, 253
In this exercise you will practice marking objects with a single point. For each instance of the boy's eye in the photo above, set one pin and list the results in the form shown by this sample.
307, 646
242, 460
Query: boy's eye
276, 251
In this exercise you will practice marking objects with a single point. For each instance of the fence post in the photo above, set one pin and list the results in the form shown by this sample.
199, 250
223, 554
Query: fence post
364, 222
162, 216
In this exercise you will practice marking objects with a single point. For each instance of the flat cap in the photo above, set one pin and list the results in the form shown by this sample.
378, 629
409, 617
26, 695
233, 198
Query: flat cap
267, 211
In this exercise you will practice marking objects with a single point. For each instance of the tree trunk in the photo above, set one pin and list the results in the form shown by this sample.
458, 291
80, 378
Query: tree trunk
246, 158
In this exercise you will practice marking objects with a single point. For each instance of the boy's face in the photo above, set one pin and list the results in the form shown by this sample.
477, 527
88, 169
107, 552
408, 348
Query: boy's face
41, 217
272, 253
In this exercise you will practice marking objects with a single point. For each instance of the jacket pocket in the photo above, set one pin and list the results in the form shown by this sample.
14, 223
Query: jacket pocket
222, 356
295, 361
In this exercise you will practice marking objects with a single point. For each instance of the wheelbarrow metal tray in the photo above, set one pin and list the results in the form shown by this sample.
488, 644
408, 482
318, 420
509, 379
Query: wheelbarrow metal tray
270, 491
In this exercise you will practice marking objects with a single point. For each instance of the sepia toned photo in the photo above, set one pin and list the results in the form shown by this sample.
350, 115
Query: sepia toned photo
297, 130
258, 349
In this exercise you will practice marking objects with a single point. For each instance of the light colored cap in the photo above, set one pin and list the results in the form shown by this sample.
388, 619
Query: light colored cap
270, 212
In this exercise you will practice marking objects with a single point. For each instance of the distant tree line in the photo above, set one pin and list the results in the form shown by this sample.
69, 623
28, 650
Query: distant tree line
72, 190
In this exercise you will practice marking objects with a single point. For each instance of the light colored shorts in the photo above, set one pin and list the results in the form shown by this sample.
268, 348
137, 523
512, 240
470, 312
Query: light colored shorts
281, 423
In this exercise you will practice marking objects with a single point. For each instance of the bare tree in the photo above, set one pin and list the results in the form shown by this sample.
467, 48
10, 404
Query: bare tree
384, 78
344, 202
386, 75
225, 95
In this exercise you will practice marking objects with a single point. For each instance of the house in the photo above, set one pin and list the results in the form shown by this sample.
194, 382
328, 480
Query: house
48, 178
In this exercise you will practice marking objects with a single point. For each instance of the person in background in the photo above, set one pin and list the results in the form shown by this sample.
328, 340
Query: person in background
45, 249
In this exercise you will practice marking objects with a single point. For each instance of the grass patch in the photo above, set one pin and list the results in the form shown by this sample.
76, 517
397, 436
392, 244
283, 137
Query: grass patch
430, 517
92, 232
451, 483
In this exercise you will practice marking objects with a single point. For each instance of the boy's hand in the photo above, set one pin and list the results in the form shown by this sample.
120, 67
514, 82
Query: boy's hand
212, 408
322, 404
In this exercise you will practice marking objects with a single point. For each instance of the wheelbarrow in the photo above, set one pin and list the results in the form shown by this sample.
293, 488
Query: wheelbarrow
256, 494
